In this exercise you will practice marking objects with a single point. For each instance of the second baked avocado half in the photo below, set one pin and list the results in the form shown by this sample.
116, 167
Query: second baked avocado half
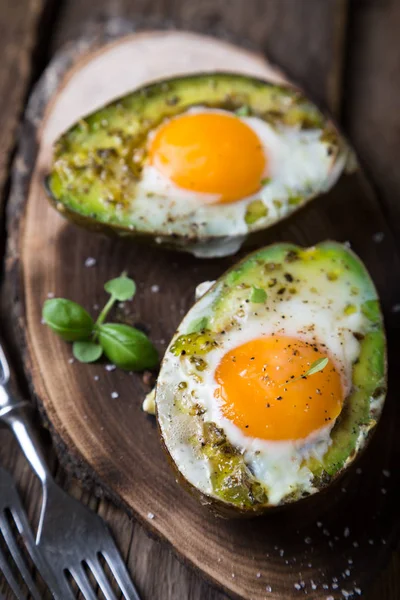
196, 163
275, 378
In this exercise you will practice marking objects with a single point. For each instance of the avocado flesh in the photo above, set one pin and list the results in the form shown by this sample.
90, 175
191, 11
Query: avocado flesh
369, 375
270, 269
97, 163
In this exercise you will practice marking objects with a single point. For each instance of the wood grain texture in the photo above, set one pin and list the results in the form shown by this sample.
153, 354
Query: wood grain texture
18, 34
53, 256
305, 37
372, 118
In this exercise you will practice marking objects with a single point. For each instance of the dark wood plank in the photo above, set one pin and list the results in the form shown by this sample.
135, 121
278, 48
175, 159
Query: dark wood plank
388, 583
67, 251
18, 35
372, 116
305, 37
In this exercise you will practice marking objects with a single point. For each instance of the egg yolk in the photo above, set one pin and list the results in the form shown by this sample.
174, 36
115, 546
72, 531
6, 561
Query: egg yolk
211, 153
263, 388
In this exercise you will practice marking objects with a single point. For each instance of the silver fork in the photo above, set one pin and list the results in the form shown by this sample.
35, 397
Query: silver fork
10, 505
71, 538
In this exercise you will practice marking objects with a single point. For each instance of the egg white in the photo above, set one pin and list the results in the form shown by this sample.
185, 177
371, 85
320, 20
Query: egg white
298, 165
276, 464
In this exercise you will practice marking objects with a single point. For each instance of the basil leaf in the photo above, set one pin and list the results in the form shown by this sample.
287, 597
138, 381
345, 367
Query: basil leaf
87, 352
258, 295
121, 288
316, 366
68, 319
127, 347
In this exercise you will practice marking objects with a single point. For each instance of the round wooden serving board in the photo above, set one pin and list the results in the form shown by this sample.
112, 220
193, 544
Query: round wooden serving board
338, 541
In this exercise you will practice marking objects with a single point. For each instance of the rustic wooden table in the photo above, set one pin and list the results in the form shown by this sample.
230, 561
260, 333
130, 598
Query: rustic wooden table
346, 54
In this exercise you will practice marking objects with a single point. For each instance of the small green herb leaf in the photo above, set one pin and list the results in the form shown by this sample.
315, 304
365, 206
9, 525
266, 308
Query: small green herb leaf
258, 295
198, 325
243, 111
316, 366
87, 352
265, 180
68, 319
127, 347
121, 288
255, 211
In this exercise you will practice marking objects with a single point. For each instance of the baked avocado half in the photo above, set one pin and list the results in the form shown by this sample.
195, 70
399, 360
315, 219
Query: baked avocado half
195, 163
274, 380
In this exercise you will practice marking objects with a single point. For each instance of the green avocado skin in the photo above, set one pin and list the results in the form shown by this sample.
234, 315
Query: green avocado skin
97, 162
328, 260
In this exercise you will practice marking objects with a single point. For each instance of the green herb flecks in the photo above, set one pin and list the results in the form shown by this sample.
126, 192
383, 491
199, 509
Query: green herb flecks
258, 295
243, 111
255, 211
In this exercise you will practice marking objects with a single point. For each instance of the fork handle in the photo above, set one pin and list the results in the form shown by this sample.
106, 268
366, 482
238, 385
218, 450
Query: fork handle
20, 421
17, 414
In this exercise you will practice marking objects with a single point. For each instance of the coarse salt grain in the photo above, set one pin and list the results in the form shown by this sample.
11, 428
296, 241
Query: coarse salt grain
258, 575
307, 540
386, 472
357, 591
96, 377
155, 289
150, 515
110, 367
268, 589
346, 594
90, 262
396, 308
297, 586
114, 395
50, 294
346, 532
347, 571
378, 237
383, 491
319, 524
71, 360
313, 585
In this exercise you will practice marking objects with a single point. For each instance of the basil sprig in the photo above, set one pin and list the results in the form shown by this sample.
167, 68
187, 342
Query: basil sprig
123, 345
